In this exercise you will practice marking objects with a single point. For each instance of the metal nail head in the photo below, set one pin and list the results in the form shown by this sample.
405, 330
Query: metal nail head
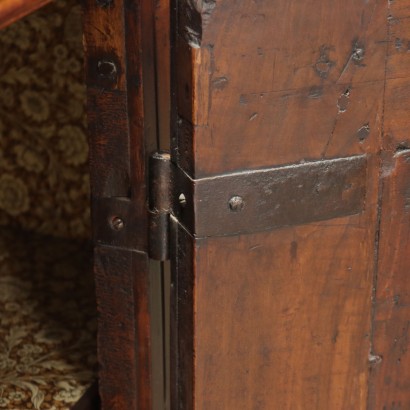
236, 203
117, 223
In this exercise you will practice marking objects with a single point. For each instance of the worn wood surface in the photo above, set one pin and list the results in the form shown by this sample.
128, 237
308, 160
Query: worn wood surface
120, 75
278, 319
389, 387
390, 371
124, 328
182, 335
294, 332
282, 319
13, 10
163, 77
264, 83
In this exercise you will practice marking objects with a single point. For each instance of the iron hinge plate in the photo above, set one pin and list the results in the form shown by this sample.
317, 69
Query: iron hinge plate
259, 200
252, 201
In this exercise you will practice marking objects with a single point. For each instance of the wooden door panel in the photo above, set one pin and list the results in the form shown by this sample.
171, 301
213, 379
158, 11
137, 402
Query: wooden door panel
272, 82
292, 334
280, 319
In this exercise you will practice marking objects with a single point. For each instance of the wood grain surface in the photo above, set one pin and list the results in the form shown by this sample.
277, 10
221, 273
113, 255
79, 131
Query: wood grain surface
265, 83
120, 75
390, 371
389, 387
123, 329
13, 10
304, 317
283, 319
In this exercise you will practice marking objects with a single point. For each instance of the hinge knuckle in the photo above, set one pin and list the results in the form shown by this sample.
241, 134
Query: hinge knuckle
160, 204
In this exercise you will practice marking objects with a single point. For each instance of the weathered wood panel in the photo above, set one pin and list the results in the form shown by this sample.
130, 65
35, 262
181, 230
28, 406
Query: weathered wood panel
120, 75
397, 106
390, 375
122, 285
262, 83
280, 319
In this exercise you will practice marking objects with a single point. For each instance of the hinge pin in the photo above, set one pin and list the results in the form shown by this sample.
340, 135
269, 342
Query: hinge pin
160, 204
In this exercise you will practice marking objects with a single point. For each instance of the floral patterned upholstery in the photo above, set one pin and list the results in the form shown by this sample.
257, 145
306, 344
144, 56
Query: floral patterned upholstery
47, 305
47, 321
44, 182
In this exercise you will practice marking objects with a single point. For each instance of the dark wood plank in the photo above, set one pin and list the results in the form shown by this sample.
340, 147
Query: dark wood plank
122, 283
120, 75
163, 75
182, 371
390, 386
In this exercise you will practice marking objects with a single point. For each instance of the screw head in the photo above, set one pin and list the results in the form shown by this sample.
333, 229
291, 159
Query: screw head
236, 203
117, 223
182, 200
106, 68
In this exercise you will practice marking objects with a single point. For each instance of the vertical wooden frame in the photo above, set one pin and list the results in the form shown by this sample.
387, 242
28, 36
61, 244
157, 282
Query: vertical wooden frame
120, 75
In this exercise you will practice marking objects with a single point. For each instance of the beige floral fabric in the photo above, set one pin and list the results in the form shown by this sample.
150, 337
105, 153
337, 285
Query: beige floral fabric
47, 321
44, 183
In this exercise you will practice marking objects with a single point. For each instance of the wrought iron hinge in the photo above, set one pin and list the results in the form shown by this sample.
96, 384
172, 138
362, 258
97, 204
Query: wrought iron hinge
253, 200
160, 204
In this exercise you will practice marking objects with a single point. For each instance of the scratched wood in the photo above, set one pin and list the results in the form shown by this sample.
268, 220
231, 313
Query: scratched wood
390, 371
389, 387
264, 82
280, 319
398, 78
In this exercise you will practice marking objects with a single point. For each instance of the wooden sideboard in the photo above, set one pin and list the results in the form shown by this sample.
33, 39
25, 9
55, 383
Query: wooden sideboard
281, 202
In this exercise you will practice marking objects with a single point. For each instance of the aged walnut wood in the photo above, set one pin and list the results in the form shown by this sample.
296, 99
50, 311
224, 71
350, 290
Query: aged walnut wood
124, 328
163, 78
276, 319
279, 319
119, 38
317, 92
390, 387
13, 10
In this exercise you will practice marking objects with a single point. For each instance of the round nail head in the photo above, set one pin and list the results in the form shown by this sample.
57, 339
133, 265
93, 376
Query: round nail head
236, 203
117, 223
